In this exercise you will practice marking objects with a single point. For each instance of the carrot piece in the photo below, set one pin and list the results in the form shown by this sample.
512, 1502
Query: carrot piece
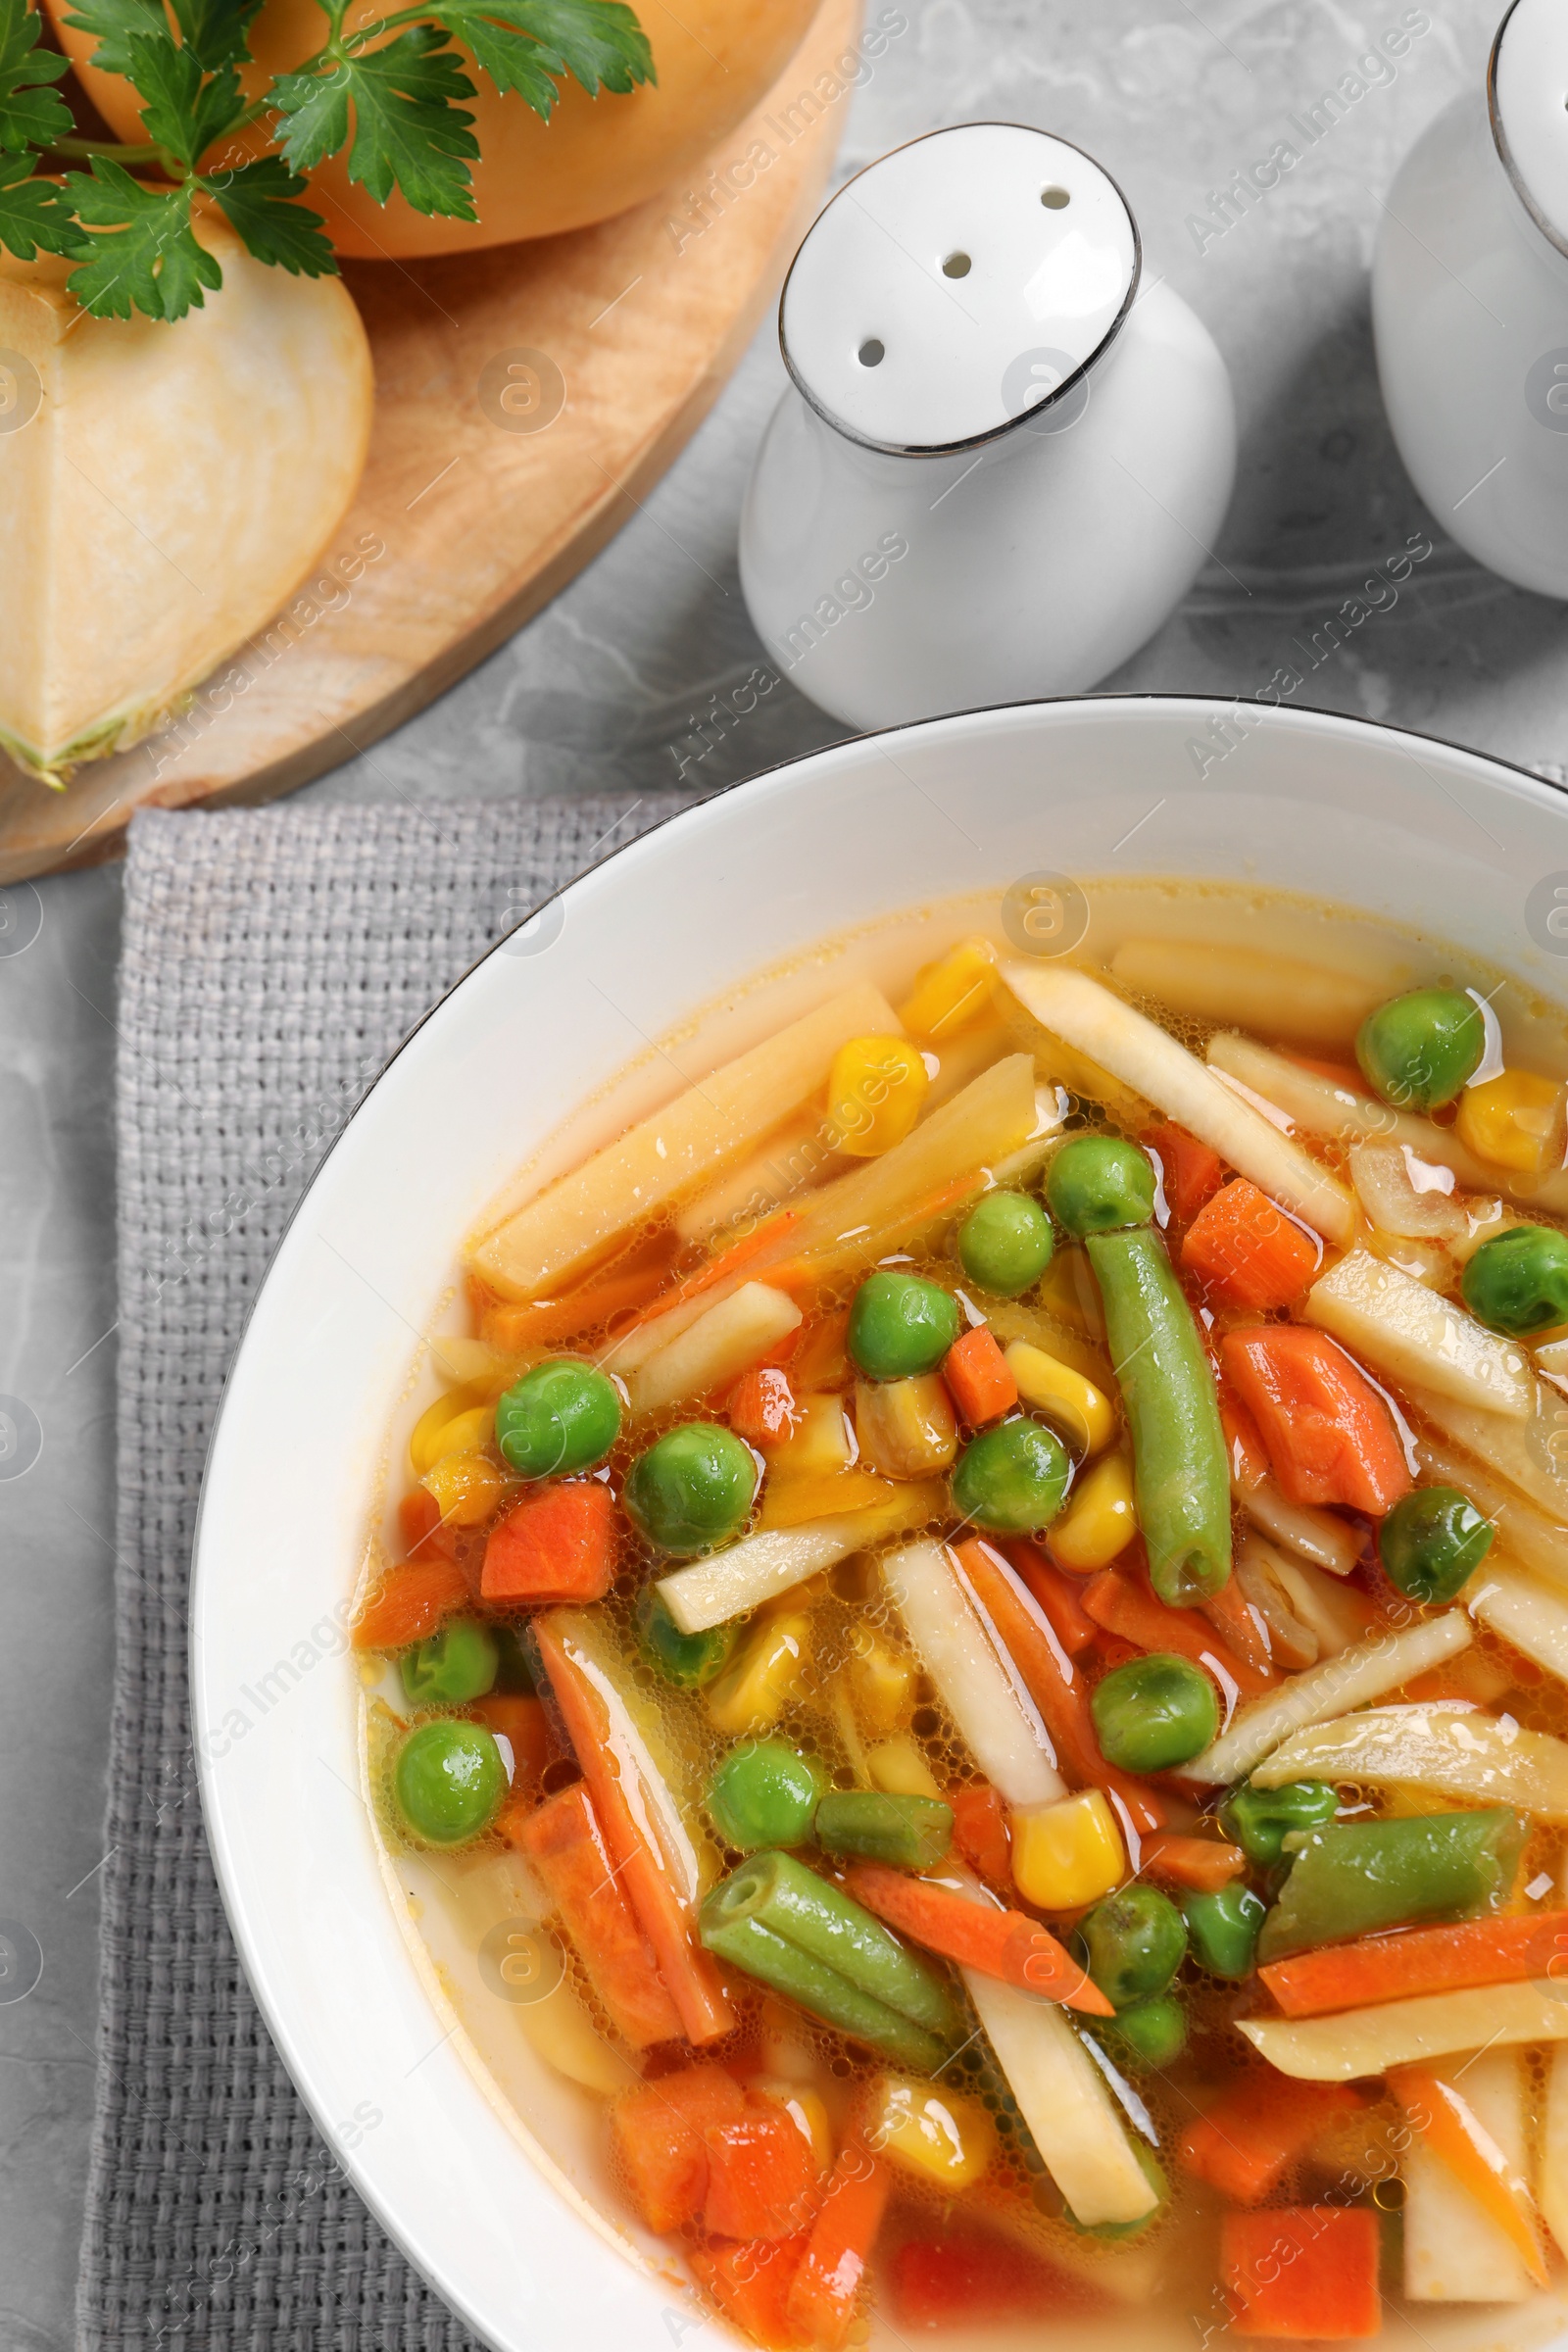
979, 1377
627, 1813
1193, 1172
827, 2285
521, 1722
1246, 2142
1330, 1436
1053, 1682
973, 2280
1240, 1626
763, 2180
1242, 1246
1249, 1457
1008, 1944
563, 1841
1204, 1864
410, 1602
1393, 1967
751, 2284
427, 1535
1132, 1612
636, 1279
1057, 1593
761, 1406
1455, 2131
1302, 2271
717, 1269
981, 1833
656, 2144
558, 1546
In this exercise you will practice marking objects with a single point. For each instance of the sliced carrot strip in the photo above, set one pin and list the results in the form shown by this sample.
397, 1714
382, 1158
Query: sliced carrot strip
1393, 1967
409, 1603
763, 2180
827, 2285
975, 2279
981, 1833
1330, 1436
639, 1277
1453, 2130
752, 2283
427, 1535
979, 1377
522, 1723
1240, 1626
762, 1405
563, 1841
1204, 1864
558, 1546
1243, 1246
1132, 1611
1058, 1595
1193, 1172
1303, 2272
656, 2144
1008, 1944
1246, 2141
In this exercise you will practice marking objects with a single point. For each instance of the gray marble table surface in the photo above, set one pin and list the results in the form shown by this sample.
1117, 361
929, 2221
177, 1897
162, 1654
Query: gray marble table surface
627, 681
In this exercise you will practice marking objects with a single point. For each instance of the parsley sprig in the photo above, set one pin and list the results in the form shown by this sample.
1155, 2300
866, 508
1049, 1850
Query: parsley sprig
391, 92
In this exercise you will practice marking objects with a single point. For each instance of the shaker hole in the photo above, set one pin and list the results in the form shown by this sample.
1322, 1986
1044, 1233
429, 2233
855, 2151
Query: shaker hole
871, 353
1055, 200
956, 265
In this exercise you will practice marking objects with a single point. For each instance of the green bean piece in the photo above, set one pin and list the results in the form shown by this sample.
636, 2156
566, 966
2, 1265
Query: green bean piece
1133, 1944
1222, 1927
912, 1833
758, 1951
1518, 1281
561, 1417
449, 1780
693, 1490
1006, 1242
1012, 1480
686, 1661
1433, 1542
1358, 1876
763, 1794
1260, 1819
450, 1667
1100, 1183
1148, 2166
1154, 1712
828, 1926
1148, 2035
1181, 1471
900, 1326
1420, 1051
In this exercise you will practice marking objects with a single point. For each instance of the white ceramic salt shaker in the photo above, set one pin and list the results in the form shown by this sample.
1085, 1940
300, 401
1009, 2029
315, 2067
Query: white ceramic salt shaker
1470, 307
1000, 463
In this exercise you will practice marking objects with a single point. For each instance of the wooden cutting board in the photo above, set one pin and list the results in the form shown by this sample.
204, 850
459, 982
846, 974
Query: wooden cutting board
526, 400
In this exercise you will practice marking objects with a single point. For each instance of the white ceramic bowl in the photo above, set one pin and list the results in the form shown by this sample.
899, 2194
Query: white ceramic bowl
1389, 822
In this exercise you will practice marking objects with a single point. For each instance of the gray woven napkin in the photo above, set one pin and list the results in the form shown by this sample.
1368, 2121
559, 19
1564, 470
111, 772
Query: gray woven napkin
273, 963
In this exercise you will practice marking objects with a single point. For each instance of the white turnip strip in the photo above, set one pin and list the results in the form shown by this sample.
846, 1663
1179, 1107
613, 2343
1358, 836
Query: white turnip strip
1525, 1613
1454, 2251
1526, 1454
1318, 1536
1410, 1334
1324, 1108
1527, 1535
1356, 1676
1093, 1022
1552, 2173
717, 1348
1458, 1751
1434, 2025
1063, 2099
800, 1155
713, 1123
979, 1683
1308, 1002
644, 1339
759, 1567
1381, 1174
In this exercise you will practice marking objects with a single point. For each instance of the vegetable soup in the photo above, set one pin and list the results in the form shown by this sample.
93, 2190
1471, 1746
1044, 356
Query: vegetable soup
965, 1685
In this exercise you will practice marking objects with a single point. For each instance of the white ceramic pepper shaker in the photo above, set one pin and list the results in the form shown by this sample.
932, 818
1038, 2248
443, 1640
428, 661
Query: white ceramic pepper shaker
1470, 307
1000, 462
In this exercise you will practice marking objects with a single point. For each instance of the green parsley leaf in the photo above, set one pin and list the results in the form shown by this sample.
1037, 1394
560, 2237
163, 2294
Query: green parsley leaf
29, 117
33, 215
216, 32
527, 45
259, 201
115, 24
150, 261
185, 111
409, 130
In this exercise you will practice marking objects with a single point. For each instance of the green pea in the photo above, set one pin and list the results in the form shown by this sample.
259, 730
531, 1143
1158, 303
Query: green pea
1012, 1480
514, 1671
1133, 1944
1260, 1819
1006, 1242
449, 1780
1100, 1183
1223, 1926
763, 1794
1154, 1712
1419, 1052
900, 1325
561, 1417
693, 1490
1147, 2037
1518, 1281
449, 1668
686, 1661
1433, 1542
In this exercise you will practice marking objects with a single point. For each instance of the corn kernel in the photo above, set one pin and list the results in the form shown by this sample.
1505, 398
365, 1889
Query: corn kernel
466, 1488
819, 1444
1067, 1853
952, 993
806, 2111
1082, 1412
1515, 1121
874, 1091
423, 1444
881, 1681
1100, 1520
941, 2136
899, 1769
752, 1692
905, 1427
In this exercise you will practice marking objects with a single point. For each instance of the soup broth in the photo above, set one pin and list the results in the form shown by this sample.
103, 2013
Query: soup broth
965, 1661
